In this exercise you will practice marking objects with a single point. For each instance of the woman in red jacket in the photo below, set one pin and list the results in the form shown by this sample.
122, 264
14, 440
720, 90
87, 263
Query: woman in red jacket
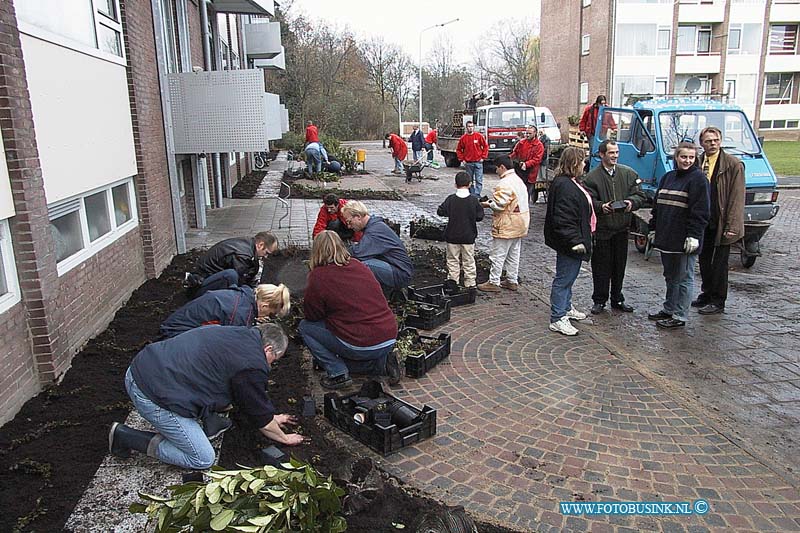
348, 326
330, 217
399, 151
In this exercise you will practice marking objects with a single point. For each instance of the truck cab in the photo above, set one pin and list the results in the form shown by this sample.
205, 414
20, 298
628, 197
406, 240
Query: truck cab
648, 132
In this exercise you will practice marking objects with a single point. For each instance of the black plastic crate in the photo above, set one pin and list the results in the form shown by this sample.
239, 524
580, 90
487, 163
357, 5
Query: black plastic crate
384, 429
434, 294
429, 316
426, 231
418, 365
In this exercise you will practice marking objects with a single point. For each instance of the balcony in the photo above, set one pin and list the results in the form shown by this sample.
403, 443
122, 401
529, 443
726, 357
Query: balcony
263, 40
702, 13
213, 112
697, 64
784, 11
782, 63
276, 63
273, 116
245, 7
780, 112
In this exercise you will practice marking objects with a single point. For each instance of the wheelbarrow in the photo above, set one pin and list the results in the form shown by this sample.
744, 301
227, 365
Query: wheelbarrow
413, 169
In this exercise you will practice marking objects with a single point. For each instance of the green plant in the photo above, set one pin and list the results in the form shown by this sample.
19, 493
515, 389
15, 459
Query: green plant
573, 120
347, 157
292, 141
253, 500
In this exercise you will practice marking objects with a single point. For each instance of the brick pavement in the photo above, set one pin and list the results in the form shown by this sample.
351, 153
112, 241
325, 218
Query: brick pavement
620, 413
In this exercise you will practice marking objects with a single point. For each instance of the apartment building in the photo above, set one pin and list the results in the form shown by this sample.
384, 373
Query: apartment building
121, 122
745, 50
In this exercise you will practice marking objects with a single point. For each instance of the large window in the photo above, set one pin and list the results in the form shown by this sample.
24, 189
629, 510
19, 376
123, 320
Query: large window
783, 38
744, 39
737, 136
85, 225
9, 287
89, 23
637, 39
778, 88
694, 40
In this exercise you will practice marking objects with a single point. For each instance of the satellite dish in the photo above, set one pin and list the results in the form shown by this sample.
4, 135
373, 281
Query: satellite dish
693, 85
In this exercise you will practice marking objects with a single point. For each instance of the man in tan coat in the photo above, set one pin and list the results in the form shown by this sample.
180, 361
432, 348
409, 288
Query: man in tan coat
725, 174
511, 217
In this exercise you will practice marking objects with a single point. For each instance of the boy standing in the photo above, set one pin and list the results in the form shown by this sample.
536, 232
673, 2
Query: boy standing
462, 210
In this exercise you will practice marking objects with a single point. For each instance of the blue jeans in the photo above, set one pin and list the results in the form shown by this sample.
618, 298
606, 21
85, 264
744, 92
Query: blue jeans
429, 148
339, 358
219, 280
398, 165
475, 172
382, 270
567, 270
313, 160
679, 275
185, 443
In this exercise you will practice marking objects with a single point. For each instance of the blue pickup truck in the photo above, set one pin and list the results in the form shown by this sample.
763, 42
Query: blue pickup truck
647, 133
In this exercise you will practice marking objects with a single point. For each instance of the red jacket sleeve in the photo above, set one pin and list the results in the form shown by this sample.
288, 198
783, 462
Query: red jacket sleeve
484, 148
322, 221
460, 149
587, 122
535, 155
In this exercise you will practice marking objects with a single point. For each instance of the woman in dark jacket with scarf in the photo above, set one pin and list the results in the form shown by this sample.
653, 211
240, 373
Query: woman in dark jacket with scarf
680, 215
568, 228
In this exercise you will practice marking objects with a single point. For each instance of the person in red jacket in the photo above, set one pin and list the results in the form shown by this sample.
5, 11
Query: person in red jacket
527, 156
588, 122
312, 133
399, 151
430, 141
330, 218
348, 325
472, 149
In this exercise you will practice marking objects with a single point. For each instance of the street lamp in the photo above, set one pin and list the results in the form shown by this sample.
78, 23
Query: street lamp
420, 63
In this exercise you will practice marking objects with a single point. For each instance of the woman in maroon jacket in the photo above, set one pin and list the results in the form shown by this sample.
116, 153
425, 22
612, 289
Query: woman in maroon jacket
348, 326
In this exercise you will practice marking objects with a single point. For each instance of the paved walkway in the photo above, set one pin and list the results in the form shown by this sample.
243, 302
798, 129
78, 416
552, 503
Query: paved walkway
528, 418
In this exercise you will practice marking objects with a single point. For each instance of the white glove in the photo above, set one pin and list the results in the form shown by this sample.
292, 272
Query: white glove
691, 245
579, 249
651, 237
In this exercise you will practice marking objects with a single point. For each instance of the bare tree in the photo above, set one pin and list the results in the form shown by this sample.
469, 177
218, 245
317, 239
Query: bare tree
379, 58
445, 84
509, 59
400, 77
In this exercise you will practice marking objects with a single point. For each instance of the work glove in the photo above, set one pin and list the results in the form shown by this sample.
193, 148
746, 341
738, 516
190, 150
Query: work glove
651, 237
691, 245
579, 249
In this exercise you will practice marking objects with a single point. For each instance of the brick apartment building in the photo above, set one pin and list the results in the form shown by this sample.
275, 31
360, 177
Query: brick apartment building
101, 176
745, 49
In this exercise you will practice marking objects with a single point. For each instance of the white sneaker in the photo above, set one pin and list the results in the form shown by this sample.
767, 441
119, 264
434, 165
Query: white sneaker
564, 327
574, 314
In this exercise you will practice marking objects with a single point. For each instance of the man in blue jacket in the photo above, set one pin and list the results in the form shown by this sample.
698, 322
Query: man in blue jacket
179, 381
379, 248
417, 141
234, 306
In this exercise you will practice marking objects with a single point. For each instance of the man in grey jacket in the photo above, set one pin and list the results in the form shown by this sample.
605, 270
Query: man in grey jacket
615, 194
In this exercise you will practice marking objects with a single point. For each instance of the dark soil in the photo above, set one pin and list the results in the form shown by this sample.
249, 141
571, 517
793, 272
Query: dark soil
51, 450
247, 186
316, 193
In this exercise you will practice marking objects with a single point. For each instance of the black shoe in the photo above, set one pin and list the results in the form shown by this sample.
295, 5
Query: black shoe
215, 425
122, 439
622, 306
670, 323
392, 369
317, 367
661, 315
339, 382
711, 309
700, 302
598, 308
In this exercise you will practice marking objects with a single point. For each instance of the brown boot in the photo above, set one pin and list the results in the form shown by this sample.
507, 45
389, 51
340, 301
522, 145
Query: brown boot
510, 285
489, 287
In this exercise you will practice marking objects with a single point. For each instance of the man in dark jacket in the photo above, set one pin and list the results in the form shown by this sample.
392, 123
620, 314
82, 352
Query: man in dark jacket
175, 382
615, 193
234, 306
379, 248
417, 141
330, 217
725, 174
240, 254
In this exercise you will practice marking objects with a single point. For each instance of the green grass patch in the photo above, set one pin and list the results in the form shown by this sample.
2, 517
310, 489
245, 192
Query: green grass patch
784, 156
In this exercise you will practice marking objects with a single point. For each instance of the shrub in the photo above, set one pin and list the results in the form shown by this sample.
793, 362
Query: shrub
574, 120
251, 501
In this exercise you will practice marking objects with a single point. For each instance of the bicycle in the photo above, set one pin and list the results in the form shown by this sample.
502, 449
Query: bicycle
261, 160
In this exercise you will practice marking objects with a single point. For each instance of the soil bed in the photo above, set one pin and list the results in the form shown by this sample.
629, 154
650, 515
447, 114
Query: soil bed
51, 450
247, 185
300, 190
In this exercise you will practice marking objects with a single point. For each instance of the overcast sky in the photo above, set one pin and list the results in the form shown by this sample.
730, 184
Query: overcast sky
401, 21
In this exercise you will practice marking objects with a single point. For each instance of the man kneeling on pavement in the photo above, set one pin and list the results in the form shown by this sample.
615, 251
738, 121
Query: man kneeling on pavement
178, 382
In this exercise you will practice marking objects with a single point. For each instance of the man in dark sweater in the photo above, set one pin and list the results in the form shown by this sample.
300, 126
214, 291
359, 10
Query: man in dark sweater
241, 255
462, 210
175, 382
610, 184
379, 248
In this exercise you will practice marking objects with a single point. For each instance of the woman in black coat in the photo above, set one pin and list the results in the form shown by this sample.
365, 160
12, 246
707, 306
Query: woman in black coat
568, 228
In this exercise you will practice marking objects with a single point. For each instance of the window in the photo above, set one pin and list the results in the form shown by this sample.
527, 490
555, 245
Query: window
636, 39
169, 35
734, 125
584, 92
686, 39
778, 88
83, 226
704, 40
587, 3
664, 41
734, 39
661, 86
9, 286
730, 89
782, 38
585, 44
792, 123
